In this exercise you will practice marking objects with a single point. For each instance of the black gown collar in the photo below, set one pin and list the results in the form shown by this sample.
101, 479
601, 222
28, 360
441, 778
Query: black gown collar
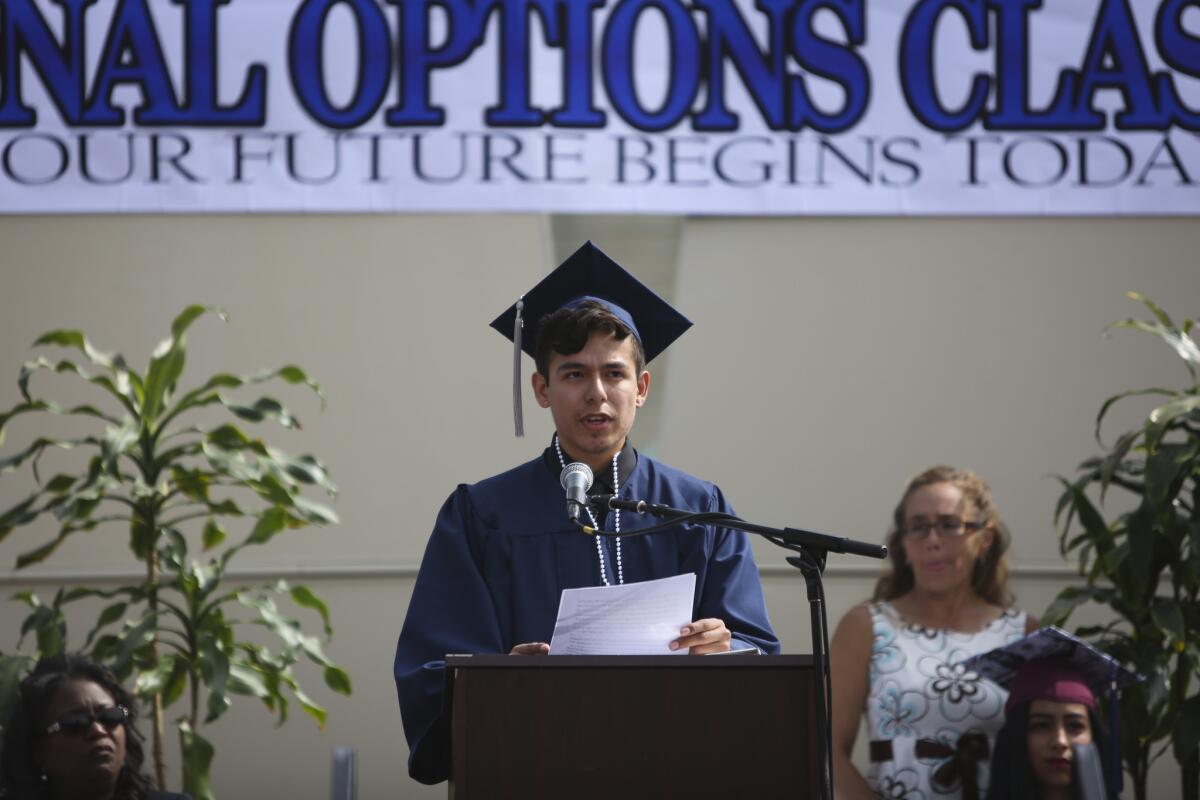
602, 480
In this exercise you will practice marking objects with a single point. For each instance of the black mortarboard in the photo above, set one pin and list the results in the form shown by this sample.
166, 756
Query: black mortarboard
1051, 664
1031, 667
589, 274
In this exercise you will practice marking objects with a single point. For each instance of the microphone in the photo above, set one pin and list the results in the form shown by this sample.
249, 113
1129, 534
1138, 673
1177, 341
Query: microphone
614, 503
576, 478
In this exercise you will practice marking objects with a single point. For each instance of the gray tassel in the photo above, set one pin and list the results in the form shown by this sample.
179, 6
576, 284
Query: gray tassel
518, 323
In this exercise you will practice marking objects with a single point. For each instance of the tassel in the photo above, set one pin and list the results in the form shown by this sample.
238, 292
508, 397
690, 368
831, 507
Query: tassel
518, 323
1115, 778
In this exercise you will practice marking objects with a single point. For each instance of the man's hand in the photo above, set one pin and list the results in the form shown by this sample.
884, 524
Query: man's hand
704, 636
531, 649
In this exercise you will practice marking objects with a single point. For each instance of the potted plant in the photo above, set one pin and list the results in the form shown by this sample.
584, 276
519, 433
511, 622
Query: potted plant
1143, 561
181, 488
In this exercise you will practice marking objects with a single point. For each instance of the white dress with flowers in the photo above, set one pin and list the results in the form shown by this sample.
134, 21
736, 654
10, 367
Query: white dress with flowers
919, 691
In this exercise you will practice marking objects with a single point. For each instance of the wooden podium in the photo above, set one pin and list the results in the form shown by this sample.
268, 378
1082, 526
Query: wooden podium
633, 726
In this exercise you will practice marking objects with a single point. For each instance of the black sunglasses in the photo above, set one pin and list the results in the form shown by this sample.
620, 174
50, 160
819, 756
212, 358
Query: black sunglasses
78, 723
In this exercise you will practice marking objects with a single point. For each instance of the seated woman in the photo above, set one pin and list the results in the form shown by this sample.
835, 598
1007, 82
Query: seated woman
897, 658
1054, 680
71, 735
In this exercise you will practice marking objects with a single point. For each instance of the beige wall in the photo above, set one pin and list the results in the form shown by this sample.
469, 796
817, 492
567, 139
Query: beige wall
831, 359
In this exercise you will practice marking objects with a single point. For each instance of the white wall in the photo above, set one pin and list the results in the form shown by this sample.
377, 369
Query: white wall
832, 358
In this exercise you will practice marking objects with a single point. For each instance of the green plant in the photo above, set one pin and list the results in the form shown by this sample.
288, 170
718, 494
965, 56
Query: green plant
49, 628
175, 487
1144, 562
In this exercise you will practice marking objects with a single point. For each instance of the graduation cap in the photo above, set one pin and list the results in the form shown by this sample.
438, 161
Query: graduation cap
588, 275
1051, 664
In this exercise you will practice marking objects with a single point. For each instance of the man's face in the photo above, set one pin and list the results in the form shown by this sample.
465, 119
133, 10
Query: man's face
593, 396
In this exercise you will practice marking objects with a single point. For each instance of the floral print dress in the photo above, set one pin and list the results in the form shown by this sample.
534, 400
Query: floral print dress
921, 703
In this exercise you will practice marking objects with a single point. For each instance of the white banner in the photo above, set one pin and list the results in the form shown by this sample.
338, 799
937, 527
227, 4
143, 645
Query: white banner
658, 106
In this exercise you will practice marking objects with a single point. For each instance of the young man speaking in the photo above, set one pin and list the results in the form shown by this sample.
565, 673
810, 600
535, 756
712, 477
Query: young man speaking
502, 550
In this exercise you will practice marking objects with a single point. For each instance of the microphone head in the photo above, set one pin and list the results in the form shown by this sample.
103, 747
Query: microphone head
576, 474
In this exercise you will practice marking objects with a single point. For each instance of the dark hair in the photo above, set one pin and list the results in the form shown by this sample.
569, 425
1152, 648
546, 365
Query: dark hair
567, 330
989, 578
1012, 774
19, 774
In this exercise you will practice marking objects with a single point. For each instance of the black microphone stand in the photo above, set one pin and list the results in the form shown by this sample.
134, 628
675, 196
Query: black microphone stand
812, 549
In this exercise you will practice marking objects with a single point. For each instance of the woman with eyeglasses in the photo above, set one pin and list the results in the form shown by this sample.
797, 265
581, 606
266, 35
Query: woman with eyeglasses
71, 736
897, 659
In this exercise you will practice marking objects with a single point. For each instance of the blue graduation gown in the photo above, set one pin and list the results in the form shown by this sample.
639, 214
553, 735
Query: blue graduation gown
500, 555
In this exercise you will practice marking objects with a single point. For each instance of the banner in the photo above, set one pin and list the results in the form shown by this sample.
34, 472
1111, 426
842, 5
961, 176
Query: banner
764, 107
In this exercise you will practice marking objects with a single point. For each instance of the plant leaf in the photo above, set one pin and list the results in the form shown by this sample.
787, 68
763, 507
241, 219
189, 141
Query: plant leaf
270, 522
310, 706
176, 683
1108, 404
207, 394
1141, 535
117, 441
197, 763
20, 514
306, 598
122, 386
307, 469
1158, 313
337, 679
1059, 610
213, 534
166, 364
217, 663
142, 537
1113, 461
286, 629
173, 552
76, 339
134, 635
295, 375
35, 448
1089, 517
21, 408
193, 483
264, 408
165, 369
153, 680
40, 554
1161, 418
1168, 616
1165, 329
108, 616
314, 513
1187, 729
1165, 470
1194, 546
12, 667
47, 624
245, 680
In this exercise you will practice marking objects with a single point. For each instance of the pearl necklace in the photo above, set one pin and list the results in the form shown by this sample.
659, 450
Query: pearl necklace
617, 526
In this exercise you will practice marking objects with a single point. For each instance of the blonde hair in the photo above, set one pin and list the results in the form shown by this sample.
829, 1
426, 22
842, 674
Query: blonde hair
989, 577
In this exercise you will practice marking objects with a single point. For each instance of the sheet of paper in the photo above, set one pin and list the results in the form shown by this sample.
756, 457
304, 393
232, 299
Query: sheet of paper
634, 619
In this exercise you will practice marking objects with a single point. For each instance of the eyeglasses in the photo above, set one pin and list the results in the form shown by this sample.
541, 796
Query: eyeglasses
78, 723
947, 527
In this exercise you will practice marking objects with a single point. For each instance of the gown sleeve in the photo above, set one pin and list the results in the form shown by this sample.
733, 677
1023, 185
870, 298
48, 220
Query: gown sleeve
451, 611
732, 591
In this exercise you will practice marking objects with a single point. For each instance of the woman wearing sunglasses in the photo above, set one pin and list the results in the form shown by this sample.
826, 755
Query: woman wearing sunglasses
71, 736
